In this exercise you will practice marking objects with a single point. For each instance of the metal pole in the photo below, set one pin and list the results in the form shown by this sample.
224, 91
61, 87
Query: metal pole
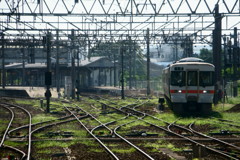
114, 71
57, 78
217, 32
225, 55
73, 65
78, 76
235, 71
48, 74
23, 66
122, 80
3, 64
130, 63
134, 65
176, 49
148, 64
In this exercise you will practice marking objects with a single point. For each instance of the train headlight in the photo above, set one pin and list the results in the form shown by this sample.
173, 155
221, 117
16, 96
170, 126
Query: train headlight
204, 91
179, 91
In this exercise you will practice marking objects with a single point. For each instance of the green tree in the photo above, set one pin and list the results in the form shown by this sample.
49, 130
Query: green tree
206, 55
133, 57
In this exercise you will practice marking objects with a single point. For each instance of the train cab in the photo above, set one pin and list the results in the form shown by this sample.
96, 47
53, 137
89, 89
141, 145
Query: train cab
189, 85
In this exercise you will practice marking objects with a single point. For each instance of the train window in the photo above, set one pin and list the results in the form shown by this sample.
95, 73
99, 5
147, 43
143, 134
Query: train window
205, 78
178, 78
192, 78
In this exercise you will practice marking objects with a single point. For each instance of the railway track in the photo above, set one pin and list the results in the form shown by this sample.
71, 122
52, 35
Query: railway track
12, 109
129, 114
219, 152
114, 134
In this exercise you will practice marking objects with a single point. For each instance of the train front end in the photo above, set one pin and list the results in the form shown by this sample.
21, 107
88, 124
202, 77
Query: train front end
191, 86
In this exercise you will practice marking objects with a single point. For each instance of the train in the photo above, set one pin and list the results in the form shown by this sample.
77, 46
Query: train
188, 85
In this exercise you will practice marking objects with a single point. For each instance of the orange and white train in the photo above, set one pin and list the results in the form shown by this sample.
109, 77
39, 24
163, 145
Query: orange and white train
188, 85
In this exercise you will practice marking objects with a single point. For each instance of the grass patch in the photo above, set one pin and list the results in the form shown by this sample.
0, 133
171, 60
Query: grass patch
14, 144
137, 123
156, 146
46, 144
97, 150
154, 121
169, 117
47, 151
89, 143
109, 117
42, 118
234, 100
26, 102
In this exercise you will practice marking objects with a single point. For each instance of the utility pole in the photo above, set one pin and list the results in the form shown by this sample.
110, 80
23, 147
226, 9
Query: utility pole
3, 64
134, 65
23, 65
235, 61
122, 78
78, 75
225, 56
176, 49
148, 63
73, 65
130, 63
114, 69
48, 73
57, 66
217, 33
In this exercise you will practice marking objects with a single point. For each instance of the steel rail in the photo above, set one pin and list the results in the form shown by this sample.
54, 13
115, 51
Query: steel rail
230, 124
226, 120
57, 123
141, 151
99, 141
211, 149
29, 130
124, 139
8, 126
94, 119
25, 126
16, 150
202, 145
179, 135
216, 139
189, 139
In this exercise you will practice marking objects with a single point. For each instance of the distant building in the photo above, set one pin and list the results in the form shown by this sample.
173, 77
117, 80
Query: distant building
96, 71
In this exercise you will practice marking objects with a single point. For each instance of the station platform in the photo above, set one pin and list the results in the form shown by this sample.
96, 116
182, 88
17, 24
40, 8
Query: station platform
38, 92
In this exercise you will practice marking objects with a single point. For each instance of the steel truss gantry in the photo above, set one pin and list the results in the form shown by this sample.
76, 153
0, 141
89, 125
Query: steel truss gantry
113, 20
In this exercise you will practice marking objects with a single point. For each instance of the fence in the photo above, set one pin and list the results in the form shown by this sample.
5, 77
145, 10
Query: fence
154, 85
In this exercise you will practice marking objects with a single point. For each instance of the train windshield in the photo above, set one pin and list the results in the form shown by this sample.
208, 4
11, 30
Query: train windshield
178, 78
205, 78
192, 78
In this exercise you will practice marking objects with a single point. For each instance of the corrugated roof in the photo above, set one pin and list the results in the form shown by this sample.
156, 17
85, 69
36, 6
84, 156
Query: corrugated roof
82, 63
88, 62
27, 65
